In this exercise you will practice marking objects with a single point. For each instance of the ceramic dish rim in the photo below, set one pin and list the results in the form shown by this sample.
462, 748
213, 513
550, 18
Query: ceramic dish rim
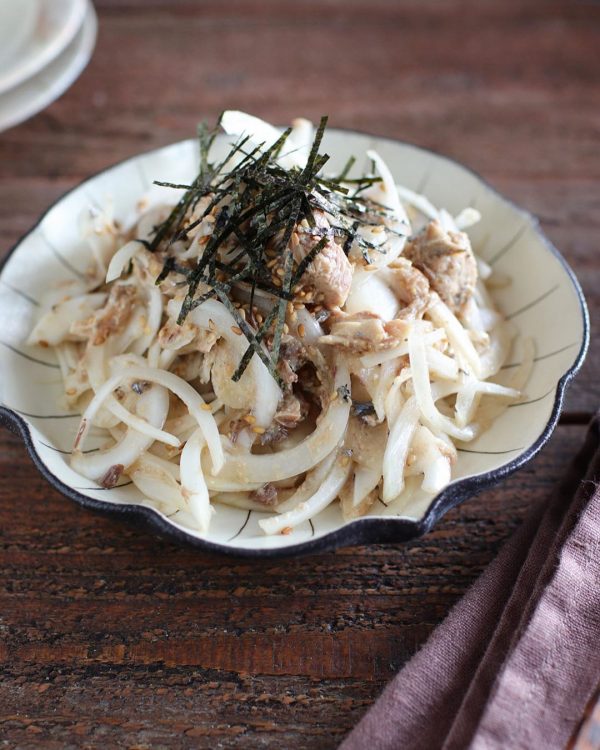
50, 52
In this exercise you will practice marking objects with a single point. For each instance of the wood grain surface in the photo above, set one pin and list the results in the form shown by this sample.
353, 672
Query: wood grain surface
112, 638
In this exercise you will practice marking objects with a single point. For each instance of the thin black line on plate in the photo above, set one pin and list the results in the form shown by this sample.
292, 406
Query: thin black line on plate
63, 260
312, 528
67, 453
235, 536
533, 303
146, 183
105, 489
29, 357
424, 180
20, 292
489, 453
511, 243
543, 356
385, 505
172, 515
93, 202
531, 401
43, 416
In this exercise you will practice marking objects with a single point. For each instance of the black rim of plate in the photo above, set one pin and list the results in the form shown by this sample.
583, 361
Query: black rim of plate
366, 530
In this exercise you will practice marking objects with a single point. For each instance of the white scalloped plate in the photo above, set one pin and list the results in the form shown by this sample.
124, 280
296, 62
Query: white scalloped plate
544, 300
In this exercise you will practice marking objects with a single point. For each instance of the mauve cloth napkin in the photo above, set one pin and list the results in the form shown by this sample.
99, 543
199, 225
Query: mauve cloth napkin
518, 658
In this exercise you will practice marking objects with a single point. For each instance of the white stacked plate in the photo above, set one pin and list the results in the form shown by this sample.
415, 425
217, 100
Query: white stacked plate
44, 46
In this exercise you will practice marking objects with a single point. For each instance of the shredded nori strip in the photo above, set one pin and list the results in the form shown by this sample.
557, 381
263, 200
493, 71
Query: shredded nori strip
265, 204
308, 259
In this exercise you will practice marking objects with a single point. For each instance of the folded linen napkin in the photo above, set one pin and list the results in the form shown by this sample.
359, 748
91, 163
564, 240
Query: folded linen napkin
518, 657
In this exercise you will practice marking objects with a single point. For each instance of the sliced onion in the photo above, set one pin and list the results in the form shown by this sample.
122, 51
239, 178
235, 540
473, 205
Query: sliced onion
141, 425
430, 461
301, 139
54, 327
190, 397
377, 358
153, 355
304, 456
422, 387
396, 450
365, 481
497, 351
168, 466
467, 218
95, 358
471, 316
239, 500
385, 192
387, 374
441, 364
121, 259
418, 201
484, 271
447, 221
266, 391
152, 407
217, 484
325, 494
312, 329
310, 484
368, 293
193, 483
458, 336
466, 401
154, 309
156, 482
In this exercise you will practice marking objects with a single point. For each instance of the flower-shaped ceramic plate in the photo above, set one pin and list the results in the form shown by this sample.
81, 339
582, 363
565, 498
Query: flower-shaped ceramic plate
543, 299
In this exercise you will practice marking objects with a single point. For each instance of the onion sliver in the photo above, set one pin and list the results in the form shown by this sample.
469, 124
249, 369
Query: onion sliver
325, 494
312, 329
121, 258
420, 202
424, 396
288, 463
378, 358
267, 391
239, 500
152, 406
155, 311
310, 484
365, 481
55, 325
371, 294
192, 480
396, 450
463, 347
430, 461
141, 425
385, 192
156, 482
183, 390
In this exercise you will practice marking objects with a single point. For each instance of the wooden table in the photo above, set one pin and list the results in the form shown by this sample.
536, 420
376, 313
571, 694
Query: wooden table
110, 638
